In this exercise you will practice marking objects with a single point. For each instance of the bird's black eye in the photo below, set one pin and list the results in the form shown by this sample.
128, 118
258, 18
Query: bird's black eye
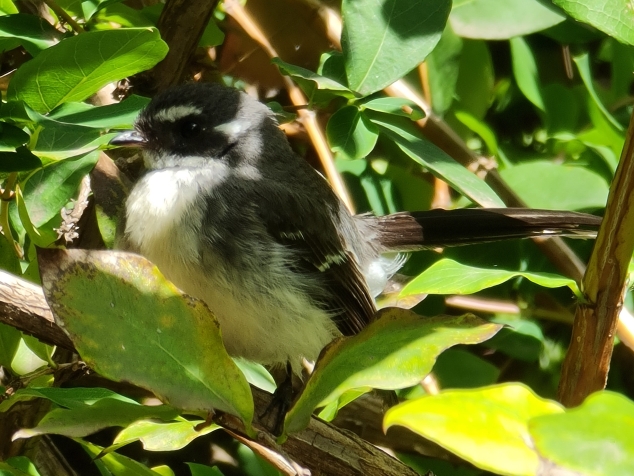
190, 129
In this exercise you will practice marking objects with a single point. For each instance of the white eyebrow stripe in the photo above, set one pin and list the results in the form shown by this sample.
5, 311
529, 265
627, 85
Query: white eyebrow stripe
175, 113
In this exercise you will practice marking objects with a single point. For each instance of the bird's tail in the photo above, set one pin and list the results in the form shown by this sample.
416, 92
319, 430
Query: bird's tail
411, 231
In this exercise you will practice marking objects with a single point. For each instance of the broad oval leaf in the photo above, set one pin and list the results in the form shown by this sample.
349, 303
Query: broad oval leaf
613, 17
501, 19
131, 324
351, 134
382, 41
592, 439
395, 351
447, 276
545, 184
475, 424
79, 66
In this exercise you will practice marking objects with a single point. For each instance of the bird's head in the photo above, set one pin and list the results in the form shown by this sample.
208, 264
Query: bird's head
190, 124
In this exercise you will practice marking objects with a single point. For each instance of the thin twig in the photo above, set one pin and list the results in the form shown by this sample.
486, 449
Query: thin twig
585, 368
61, 13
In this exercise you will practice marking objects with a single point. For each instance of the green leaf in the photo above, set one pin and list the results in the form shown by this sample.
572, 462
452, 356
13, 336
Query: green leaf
157, 436
86, 62
86, 420
520, 339
525, 72
34, 33
9, 342
447, 276
545, 184
480, 128
318, 88
443, 65
256, 374
72, 398
501, 19
351, 134
202, 470
23, 464
59, 141
397, 350
594, 439
394, 105
114, 116
382, 41
476, 424
19, 161
11, 137
7, 7
49, 189
583, 64
613, 17
114, 463
158, 338
458, 368
408, 139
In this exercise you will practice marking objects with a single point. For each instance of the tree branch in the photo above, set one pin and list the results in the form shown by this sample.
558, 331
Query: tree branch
585, 368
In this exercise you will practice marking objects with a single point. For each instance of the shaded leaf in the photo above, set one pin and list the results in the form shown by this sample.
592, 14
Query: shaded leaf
115, 463
457, 419
501, 19
19, 161
11, 137
583, 64
351, 134
32, 32
395, 351
525, 72
86, 420
157, 338
394, 105
114, 116
569, 187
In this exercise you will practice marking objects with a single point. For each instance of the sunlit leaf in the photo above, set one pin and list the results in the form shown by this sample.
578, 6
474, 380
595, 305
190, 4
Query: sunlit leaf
456, 419
613, 17
89, 61
396, 351
450, 277
158, 338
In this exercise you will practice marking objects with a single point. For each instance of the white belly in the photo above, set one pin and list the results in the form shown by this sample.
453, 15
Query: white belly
265, 318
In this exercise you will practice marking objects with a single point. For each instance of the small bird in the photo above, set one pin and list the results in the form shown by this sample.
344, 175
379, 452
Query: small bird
232, 216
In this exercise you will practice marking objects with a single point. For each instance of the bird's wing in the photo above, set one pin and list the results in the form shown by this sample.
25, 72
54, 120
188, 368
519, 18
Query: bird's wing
309, 229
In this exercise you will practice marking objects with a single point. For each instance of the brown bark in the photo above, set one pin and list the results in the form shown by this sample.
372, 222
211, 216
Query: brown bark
585, 368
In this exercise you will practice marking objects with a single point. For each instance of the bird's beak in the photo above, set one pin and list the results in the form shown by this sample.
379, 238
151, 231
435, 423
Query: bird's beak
128, 139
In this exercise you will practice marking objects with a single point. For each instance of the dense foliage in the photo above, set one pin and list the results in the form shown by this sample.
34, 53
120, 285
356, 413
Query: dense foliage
418, 100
